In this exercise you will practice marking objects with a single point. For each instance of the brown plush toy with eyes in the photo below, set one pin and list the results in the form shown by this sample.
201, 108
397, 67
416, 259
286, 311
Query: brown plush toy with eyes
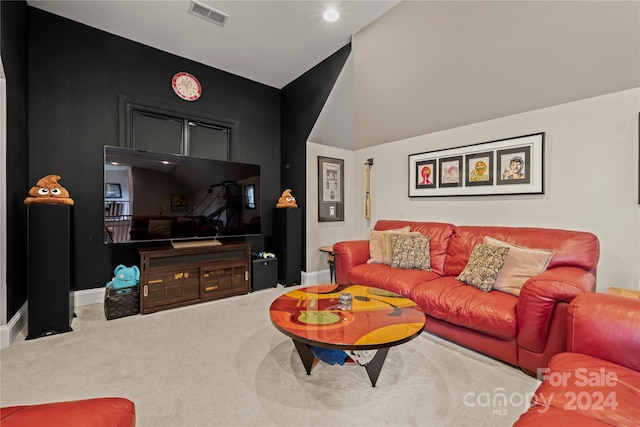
47, 190
287, 200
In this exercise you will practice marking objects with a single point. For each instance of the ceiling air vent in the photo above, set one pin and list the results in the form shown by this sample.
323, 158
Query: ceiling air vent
208, 13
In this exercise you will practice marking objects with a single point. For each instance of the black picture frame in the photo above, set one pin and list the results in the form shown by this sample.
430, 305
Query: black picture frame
112, 191
450, 172
457, 173
330, 189
427, 174
518, 158
179, 203
478, 169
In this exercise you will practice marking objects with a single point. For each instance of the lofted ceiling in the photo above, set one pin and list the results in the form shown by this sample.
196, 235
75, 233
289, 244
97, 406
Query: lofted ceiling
270, 42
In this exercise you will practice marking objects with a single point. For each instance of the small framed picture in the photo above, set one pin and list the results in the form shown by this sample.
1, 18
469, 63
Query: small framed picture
514, 165
479, 169
451, 171
179, 203
427, 173
330, 189
113, 191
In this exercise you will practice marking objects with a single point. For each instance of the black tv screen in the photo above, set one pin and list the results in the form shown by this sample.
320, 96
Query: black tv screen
157, 196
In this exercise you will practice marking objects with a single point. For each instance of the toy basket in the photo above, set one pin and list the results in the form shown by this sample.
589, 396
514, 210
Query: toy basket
121, 302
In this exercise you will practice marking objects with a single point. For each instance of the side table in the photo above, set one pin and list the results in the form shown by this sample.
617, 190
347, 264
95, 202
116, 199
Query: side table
331, 260
630, 293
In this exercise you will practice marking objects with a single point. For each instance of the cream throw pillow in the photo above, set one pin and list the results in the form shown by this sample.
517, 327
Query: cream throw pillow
377, 244
521, 264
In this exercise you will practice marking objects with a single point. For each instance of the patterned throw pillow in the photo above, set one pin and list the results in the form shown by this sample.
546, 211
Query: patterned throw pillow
411, 251
388, 246
484, 266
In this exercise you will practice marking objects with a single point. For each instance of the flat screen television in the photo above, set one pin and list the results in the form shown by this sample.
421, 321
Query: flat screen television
152, 196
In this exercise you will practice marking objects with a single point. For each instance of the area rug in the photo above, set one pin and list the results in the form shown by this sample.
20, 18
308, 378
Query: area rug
223, 363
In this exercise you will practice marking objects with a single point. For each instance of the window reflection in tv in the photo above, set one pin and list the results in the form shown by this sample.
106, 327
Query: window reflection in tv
172, 197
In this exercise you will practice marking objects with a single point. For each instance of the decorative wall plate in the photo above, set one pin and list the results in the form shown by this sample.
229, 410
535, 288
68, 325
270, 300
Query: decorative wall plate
186, 86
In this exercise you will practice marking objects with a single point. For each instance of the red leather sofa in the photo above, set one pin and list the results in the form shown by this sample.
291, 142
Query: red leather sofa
100, 412
524, 331
597, 382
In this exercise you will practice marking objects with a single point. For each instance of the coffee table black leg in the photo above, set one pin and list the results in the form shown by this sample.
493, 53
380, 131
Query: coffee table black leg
375, 365
306, 355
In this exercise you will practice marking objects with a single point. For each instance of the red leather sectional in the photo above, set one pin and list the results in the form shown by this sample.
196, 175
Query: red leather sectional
100, 412
597, 381
524, 331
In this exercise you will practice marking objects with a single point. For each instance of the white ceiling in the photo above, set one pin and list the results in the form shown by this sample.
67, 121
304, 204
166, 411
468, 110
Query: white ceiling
270, 42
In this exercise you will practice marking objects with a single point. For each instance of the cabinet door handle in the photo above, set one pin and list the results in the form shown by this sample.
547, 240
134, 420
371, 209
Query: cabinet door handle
246, 275
178, 276
146, 290
185, 275
206, 275
211, 288
155, 281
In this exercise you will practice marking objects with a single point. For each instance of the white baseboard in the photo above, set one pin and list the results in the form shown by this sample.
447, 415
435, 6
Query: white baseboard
88, 297
10, 331
18, 322
315, 277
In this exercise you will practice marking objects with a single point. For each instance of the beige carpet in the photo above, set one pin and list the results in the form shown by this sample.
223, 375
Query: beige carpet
223, 364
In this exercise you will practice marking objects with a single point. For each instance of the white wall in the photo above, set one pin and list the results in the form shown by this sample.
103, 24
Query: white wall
428, 66
591, 182
327, 233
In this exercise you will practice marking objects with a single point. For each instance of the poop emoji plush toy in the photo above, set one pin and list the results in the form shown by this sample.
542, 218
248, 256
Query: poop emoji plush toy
287, 200
47, 190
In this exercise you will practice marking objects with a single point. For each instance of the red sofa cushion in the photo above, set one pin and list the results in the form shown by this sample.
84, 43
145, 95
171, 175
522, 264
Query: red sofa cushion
100, 412
589, 386
398, 280
439, 235
590, 330
492, 313
539, 416
575, 248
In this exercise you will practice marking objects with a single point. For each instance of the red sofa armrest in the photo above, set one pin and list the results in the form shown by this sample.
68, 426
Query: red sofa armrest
98, 412
347, 255
538, 299
605, 326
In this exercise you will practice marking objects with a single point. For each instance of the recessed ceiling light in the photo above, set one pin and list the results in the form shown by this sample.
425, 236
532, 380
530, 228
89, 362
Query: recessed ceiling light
331, 15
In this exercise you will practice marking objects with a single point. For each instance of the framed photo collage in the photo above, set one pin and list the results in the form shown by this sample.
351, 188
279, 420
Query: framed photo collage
506, 166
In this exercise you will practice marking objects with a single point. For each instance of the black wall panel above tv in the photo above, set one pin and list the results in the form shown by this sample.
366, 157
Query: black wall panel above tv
77, 75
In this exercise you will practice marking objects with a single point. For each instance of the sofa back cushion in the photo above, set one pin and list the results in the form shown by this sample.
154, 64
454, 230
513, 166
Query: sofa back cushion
439, 235
571, 248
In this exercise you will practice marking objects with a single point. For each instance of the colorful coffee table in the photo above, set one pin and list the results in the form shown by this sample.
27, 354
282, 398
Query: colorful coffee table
377, 320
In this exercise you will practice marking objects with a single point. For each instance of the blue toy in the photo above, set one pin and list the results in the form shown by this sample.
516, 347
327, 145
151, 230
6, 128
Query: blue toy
124, 277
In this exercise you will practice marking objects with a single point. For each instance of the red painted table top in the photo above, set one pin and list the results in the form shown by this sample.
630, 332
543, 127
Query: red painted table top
377, 319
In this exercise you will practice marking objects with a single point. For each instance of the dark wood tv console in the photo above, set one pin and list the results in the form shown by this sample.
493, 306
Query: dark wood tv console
175, 277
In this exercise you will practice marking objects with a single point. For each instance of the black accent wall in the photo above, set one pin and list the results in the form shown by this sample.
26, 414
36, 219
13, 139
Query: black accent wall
64, 82
76, 76
302, 102
14, 59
